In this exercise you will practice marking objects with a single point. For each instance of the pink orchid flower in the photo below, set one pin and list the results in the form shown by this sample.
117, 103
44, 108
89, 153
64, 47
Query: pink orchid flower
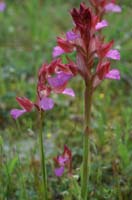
63, 161
103, 6
101, 24
111, 7
2, 6
52, 78
25, 104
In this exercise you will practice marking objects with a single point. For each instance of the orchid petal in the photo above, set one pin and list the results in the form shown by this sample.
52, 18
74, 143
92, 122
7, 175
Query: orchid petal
59, 80
62, 160
69, 91
46, 103
59, 171
2, 6
113, 74
96, 81
57, 51
15, 113
25, 103
103, 69
113, 54
111, 7
81, 65
101, 25
70, 35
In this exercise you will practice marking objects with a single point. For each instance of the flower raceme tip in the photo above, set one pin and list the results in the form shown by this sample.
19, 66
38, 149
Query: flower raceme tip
85, 40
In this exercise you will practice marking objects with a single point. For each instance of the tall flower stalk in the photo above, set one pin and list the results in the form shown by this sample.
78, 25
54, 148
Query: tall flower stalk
86, 139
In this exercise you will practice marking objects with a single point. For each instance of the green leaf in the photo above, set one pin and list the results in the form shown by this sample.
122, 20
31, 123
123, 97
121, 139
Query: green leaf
12, 165
1, 141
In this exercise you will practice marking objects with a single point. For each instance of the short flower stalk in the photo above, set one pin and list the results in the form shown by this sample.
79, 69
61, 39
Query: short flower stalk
52, 77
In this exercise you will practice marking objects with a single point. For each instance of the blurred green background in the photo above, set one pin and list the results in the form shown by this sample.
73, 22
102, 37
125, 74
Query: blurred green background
28, 31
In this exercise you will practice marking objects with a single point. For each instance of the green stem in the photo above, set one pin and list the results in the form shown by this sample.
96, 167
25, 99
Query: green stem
86, 140
8, 182
42, 154
23, 194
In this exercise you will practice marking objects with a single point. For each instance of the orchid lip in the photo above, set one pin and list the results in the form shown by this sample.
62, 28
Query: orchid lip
59, 171
111, 7
57, 51
46, 103
101, 24
59, 80
16, 113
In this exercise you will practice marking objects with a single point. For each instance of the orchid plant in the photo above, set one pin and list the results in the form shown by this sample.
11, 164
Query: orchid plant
92, 63
52, 77
93, 57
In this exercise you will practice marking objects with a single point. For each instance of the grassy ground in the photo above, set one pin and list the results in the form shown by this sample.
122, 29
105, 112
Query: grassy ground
27, 36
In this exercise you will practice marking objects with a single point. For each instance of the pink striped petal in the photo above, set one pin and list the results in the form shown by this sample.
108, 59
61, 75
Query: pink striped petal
101, 25
57, 51
70, 35
111, 7
113, 74
113, 54
59, 171
46, 103
15, 113
69, 91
